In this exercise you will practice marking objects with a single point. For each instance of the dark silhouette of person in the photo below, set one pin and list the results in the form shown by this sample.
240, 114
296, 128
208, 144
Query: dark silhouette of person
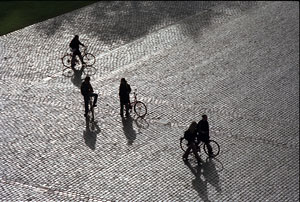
128, 130
124, 91
87, 92
203, 133
190, 135
74, 45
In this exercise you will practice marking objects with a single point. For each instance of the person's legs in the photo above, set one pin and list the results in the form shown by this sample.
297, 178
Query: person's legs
73, 60
121, 108
127, 108
86, 104
80, 57
194, 149
208, 147
187, 152
75, 53
129, 105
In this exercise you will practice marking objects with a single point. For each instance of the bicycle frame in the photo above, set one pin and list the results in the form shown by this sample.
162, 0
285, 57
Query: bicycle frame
134, 100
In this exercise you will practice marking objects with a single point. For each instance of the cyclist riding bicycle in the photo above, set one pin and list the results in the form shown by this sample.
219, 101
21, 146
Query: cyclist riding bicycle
190, 135
203, 133
74, 45
87, 92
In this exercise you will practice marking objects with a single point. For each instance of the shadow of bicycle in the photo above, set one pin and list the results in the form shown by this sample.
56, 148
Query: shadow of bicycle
141, 123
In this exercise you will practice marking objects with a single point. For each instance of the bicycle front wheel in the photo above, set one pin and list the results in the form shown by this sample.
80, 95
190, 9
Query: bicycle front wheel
140, 109
89, 59
66, 60
183, 144
214, 147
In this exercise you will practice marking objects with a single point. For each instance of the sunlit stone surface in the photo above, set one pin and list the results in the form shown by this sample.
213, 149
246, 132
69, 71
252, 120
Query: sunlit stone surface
237, 62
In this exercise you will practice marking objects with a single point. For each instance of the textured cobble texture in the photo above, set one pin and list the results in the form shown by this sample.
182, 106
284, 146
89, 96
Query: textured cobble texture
237, 62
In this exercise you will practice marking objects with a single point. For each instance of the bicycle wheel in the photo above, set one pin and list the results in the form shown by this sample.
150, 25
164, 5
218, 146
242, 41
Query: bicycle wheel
183, 144
66, 60
215, 148
89, 59
140, 109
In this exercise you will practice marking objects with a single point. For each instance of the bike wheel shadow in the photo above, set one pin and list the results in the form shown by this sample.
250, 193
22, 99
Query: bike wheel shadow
90, 134
141, 123
205, 172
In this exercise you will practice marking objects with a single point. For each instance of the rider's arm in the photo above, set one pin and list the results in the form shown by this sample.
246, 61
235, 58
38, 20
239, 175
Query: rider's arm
91, 88
81, 43
128, 88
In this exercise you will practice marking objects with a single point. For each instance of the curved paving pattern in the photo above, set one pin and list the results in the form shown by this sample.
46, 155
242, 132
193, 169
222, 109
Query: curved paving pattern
238, 62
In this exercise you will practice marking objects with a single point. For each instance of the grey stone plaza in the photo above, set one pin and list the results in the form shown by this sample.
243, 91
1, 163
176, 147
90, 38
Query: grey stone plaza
237, 62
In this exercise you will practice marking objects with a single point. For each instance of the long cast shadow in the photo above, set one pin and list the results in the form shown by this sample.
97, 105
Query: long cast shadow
210, 174
128, 130
198, 184
90, 135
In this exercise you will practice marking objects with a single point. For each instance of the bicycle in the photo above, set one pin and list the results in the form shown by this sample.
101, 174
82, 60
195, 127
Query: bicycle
139, 107
88, 58
214, 145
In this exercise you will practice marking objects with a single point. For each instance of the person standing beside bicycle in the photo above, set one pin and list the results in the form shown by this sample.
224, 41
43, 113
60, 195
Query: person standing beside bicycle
88, 92
74, 45
190, 135
124, 91
203, 133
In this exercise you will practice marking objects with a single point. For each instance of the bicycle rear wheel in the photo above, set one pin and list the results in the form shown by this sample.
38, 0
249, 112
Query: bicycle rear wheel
89, 59
140, 109
215, 148
66, 60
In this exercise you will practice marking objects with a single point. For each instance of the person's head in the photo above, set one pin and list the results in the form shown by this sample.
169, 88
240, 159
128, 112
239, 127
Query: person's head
123, 80
87, 79
193, 127
204, 117
76, 37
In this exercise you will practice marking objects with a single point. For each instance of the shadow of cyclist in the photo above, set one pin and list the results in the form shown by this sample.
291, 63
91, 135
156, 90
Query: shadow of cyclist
76, 78
129, 132
199, 184
90, 135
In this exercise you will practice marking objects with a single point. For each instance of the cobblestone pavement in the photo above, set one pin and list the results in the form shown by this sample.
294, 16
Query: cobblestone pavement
238, 62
